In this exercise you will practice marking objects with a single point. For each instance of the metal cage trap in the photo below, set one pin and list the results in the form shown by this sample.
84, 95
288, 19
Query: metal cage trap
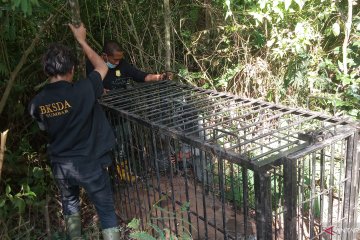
210, 165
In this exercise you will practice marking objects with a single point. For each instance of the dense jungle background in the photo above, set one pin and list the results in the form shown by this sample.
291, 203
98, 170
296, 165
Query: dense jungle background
302, 53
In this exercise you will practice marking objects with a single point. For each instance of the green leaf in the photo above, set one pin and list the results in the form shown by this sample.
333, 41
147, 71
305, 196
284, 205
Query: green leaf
278, 11
16, 3
300, 3
7, 189
356, 43
142, 236
337, 102
262, 4
28, 192
2, 203
35, 2
340, 65
352, 112
336, 50
19, 203
185, 206
287, 4
24, 6
29, 11
259, 17
270, 42
38, 172
346, 80
336, 29
134, 224
160, 232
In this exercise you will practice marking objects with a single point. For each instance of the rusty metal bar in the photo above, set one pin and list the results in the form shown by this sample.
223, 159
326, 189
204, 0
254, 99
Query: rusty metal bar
197, 109
263, 205
348, 208
231, 119
290, 197
245, 198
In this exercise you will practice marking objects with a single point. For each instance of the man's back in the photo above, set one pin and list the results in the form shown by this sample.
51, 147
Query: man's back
75, 122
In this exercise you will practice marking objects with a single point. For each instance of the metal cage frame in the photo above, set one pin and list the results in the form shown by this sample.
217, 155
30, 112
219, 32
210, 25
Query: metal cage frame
269, 143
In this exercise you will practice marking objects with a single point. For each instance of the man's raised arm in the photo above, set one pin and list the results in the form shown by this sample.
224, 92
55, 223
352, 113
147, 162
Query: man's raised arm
95, 59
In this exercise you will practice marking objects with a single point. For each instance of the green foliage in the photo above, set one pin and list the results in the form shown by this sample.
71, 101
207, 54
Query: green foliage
134, 224
163, 234
185, 206
18, 200
25, 6
26, 182
308, 204
235, 186
300, 37
141, 235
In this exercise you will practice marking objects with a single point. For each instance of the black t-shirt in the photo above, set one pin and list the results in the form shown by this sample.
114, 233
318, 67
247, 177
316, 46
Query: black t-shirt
74, 120
119, 76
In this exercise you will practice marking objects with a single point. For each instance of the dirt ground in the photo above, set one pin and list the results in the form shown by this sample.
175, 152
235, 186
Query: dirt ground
176, 210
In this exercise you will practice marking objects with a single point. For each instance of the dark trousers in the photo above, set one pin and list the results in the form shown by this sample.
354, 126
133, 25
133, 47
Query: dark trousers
94, 178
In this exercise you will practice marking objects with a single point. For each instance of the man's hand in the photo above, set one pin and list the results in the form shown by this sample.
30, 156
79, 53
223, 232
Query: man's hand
79, 32
169, 75
158, 77
95, 59
106, 91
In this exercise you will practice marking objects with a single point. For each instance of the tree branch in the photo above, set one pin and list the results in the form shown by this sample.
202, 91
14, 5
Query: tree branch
132, 30
76, 21
2, 148
347, 36
22, 61
167, 36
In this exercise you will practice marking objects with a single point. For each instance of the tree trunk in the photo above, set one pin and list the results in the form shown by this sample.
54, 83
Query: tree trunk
76, 21
347, 36
167, 21
208, 21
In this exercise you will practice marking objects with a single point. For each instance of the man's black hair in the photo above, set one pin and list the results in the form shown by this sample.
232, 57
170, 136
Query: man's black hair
58, 60
110, 47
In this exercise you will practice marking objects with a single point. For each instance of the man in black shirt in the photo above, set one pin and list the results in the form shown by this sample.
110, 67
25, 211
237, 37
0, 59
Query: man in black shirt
120, 71
80, 137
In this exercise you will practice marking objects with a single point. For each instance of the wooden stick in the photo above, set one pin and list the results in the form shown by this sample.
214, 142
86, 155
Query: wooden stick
347, 36
47, 216
2, 148
76, 21
167, 20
